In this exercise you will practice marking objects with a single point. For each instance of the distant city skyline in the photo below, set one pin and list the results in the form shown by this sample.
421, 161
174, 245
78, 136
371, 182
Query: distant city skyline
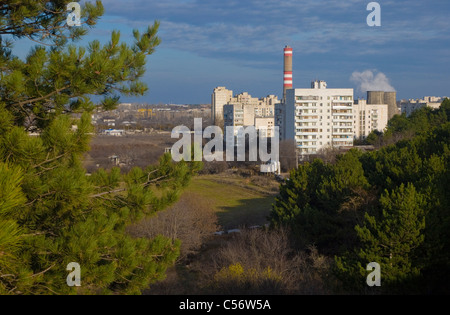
239, 45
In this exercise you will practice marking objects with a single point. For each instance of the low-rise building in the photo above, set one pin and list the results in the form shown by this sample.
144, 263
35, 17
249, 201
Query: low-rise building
407, 107
114, 132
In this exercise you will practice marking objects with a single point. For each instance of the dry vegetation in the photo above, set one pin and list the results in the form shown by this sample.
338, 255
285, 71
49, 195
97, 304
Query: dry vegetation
288, 155
192, 220
132, 150
266, 264
253, 262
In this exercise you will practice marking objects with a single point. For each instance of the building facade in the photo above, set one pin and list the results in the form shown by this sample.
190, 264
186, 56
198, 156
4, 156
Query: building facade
381, 97
220, 97
243, 110
318, 117
241, 116
368, 118
265, 126
407, 107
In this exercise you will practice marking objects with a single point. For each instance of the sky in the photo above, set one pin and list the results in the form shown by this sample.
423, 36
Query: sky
239, 44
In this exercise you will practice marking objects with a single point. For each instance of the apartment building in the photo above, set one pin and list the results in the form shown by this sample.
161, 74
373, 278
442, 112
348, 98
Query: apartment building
243, 110
241, 116
220, 97
409, 106
263, 107
318, 117
368, 118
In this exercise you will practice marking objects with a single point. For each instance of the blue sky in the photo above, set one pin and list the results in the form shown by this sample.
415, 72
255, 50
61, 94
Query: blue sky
239, 44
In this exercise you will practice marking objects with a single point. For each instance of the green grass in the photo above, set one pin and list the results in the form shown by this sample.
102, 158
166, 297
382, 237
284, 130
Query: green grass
236, 201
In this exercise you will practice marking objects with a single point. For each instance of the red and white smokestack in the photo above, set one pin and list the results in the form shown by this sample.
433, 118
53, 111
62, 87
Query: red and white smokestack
288, 53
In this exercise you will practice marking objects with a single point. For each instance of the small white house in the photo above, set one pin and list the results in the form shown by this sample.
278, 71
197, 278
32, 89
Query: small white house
114, 132
271, 167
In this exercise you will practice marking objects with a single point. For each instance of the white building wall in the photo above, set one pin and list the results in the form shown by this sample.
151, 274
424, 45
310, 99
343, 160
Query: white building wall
220, 97
265, 126
407, 107
319, 117
368, 118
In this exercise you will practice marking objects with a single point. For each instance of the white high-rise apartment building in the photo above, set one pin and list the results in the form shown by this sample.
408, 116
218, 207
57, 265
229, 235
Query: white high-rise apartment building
220, 97
319, 117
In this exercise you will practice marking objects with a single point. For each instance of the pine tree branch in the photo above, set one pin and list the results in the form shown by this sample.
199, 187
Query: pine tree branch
108, 193
51, 160
56, 293
40, 198
39, 42
42, 272
124, 189
44, 97
46, 170
154, 180
148, 176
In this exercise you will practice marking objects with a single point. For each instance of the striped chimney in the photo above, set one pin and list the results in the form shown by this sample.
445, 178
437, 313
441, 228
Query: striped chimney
288, 52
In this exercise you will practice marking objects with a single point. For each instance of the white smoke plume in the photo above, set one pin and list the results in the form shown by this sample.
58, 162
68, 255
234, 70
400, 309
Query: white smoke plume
368, 81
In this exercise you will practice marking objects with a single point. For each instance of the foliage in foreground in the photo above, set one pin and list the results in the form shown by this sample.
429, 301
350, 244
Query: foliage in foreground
389, 206
51, 212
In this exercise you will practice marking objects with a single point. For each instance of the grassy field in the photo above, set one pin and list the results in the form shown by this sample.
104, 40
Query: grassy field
237, 201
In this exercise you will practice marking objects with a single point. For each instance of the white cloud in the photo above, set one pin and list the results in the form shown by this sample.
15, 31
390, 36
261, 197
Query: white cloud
258, 28
370, 81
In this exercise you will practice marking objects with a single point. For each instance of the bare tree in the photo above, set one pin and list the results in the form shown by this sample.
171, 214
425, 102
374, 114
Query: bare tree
219, 122
288, 155
192, 220
328, 154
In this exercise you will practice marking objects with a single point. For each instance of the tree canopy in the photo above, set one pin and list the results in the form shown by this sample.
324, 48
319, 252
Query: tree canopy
51, 212
389, 206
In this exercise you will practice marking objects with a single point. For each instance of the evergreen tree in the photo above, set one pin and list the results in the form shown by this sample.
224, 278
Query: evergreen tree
315, 202
374, 137
51, 213
389, 195
390, 240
